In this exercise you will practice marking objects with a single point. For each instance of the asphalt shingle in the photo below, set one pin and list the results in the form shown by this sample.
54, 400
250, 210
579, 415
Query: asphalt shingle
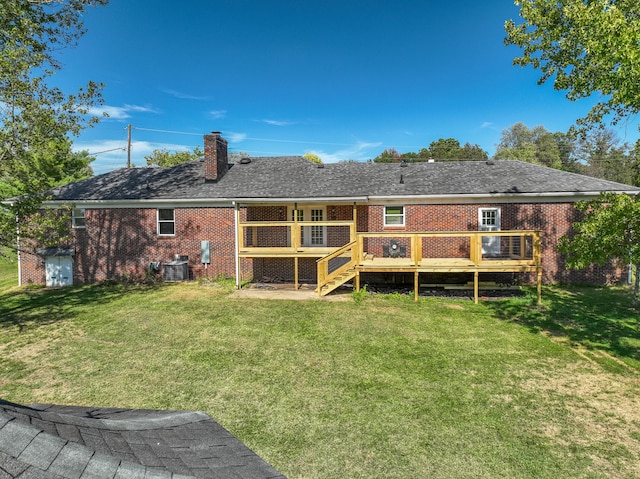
265, 178
51, 442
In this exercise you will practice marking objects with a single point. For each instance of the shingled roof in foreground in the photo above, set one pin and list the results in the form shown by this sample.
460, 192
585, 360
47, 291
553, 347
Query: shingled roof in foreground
67, 442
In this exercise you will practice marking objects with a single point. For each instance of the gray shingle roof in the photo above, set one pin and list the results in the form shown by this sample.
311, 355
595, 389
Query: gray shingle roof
295, 177
66, 442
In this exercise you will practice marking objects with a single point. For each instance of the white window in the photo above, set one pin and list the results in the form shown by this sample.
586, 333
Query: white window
166, 222
394, 216
77, 219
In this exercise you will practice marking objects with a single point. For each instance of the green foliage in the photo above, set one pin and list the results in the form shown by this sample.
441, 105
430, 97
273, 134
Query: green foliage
606, 157
313, 158
609, 231
586, 48
442, 149
389, 155
360, 296
37, 118
450, 149
537, 145
598, 152
165, 158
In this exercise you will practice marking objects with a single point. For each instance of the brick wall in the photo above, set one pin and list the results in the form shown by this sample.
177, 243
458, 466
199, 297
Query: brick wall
554, 220
124, 241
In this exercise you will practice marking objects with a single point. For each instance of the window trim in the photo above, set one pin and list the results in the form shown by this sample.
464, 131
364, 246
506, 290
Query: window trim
75, 217
497, 217
165, 221
386, 215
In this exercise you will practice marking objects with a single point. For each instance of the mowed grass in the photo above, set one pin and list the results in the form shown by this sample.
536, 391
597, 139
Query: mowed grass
387, 388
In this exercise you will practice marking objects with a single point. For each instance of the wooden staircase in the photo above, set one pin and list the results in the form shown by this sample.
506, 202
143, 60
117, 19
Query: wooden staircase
337, 281
330, 280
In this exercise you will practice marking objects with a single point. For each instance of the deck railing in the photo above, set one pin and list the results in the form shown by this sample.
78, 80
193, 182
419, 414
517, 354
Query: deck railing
335, 264
475, 247
273, 238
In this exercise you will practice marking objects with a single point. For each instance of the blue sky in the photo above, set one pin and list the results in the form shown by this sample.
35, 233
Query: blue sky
343, 79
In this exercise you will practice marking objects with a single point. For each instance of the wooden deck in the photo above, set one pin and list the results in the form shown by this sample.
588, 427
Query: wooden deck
443, 265
466, 252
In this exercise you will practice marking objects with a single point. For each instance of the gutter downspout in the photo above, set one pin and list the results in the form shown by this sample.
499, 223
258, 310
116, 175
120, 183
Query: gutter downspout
236, 217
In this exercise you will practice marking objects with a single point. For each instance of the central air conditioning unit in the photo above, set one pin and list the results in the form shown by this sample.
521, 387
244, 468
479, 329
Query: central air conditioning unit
175, 271
394, 250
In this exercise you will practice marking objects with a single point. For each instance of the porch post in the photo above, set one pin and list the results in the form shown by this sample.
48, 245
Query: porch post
295, 272
416, 285
295, 232
354, 226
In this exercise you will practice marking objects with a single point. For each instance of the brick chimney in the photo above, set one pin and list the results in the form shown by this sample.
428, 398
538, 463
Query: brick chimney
216, 161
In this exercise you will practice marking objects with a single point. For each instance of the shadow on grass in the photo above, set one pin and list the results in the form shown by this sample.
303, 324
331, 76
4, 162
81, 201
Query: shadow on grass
33, 306
591, 317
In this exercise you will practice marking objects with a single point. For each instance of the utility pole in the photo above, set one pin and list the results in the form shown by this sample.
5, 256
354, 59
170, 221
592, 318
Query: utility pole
129, 146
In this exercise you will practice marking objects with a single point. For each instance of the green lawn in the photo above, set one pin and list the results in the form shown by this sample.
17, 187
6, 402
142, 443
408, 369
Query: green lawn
387, 388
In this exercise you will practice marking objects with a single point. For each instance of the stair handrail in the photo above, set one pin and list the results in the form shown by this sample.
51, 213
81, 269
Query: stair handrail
323, 264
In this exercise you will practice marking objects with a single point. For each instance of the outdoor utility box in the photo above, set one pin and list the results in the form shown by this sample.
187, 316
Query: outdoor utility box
204, 252
175, 271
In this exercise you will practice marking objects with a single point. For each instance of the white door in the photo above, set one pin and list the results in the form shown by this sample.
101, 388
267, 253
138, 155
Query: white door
59, 271
489, 220
311, 235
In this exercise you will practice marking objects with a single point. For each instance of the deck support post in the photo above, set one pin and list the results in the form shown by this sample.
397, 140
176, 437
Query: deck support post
357, 280
416, 285
295, 273
475, 287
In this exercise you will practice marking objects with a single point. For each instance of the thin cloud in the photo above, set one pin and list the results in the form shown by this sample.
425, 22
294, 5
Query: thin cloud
184, 96
277, 122
217, 114
235, 137
120, 112
359, 152
486, 124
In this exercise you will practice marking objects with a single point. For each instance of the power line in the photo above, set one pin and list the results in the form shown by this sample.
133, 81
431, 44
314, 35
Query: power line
167, 131
107, 151
298, 141
245, 138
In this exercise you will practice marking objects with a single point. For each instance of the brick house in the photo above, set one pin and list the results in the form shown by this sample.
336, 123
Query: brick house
291, 219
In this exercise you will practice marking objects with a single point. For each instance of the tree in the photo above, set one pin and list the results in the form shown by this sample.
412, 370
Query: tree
567, 150
238, 155
587, 47
441, 149
37, 119
450, 149
389, 155
472, 152
605, 156
313, 158
537, 145
609, 231
165, 158
444, 149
